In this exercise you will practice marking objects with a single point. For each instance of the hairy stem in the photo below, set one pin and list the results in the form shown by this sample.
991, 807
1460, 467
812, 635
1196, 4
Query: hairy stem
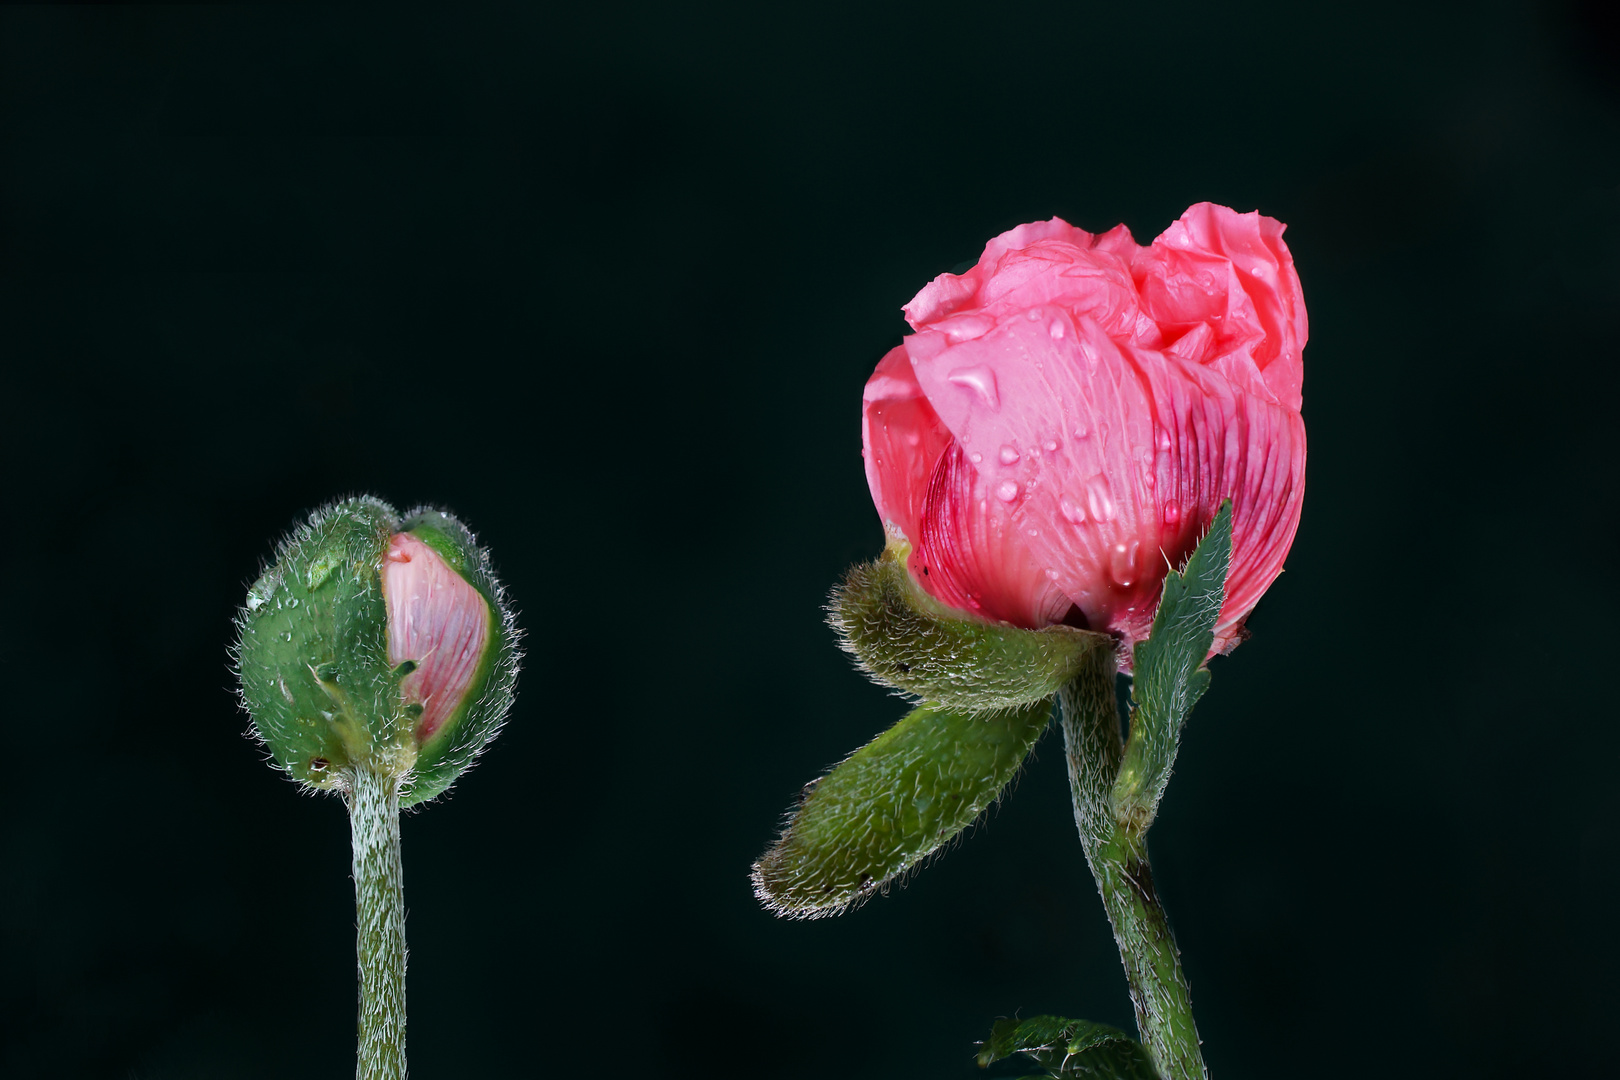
1117, 854
380, 906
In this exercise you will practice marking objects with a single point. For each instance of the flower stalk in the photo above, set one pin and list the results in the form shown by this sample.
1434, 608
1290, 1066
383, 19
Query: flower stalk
1116, 850
373, 800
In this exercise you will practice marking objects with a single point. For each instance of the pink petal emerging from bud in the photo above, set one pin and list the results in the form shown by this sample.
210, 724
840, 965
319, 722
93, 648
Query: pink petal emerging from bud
439, 621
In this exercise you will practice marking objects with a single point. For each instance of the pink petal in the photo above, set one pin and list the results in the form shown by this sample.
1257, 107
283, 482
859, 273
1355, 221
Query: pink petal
1047, 262
970, 556
902, 440
1233, 272
1070, 433
437, 619
1222, 443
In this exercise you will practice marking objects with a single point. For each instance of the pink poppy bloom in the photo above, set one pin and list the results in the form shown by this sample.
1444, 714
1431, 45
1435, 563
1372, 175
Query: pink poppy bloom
1071, 412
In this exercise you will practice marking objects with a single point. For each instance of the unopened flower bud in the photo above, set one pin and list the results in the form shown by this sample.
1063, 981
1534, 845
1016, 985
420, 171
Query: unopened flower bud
378, 643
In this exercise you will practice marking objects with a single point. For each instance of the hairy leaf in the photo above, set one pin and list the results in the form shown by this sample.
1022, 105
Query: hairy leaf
891, 804
1069, 1048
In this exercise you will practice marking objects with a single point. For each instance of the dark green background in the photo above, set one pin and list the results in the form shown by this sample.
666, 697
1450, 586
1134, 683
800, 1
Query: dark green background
608, 285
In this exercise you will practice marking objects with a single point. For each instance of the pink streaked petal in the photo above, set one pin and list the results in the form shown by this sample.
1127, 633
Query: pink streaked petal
902, 440
436, 619
1224, 443
970, 555
1055, 420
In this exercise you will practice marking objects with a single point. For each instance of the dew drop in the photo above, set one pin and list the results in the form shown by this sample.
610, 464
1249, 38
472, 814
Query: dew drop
1056, 330
1051, 574
1034, 532
913, 438
1071, 511
1007, 490
1172, 512
1122, 564
975, 457
979, 379
1149, 479
1163, 439
1009, 455
1098, 500
1081, 431
1051, 446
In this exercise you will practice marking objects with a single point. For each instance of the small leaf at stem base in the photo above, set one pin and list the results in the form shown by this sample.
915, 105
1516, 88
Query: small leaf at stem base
1169, 673
1069, 1048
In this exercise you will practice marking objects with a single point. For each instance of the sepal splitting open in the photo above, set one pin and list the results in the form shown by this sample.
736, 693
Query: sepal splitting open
314, 658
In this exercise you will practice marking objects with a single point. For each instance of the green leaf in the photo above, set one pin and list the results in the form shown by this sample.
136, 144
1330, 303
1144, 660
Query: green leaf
890, 805
905, 639
1069, 1048
1169, 673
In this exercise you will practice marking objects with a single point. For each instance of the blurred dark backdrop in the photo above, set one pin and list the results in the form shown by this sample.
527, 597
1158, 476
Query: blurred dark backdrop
608, 285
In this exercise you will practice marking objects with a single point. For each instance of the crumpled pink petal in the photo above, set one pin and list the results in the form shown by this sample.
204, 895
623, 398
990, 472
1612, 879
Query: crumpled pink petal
437, 619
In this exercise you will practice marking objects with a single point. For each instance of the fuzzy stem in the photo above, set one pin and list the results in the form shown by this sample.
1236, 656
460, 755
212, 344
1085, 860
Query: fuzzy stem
380, 941
1118, 858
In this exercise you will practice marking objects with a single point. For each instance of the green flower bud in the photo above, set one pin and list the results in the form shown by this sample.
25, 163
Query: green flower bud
378, 643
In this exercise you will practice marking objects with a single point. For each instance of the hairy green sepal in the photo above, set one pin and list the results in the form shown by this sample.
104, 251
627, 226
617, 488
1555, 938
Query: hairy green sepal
891, 804
1169, 675
905, 639
312, 655
1069, 1048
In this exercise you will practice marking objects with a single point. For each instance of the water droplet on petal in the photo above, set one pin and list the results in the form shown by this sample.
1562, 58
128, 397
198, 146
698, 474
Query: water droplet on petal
1081, 431
981, 380
1034, 532
913, 437
975, 457
1071, 511
1098, 500
1122, 564
1051, 574
1009, 455
1163, 439
1056, 330
1148, 478
1007, 490
1172, 512
1051, 446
